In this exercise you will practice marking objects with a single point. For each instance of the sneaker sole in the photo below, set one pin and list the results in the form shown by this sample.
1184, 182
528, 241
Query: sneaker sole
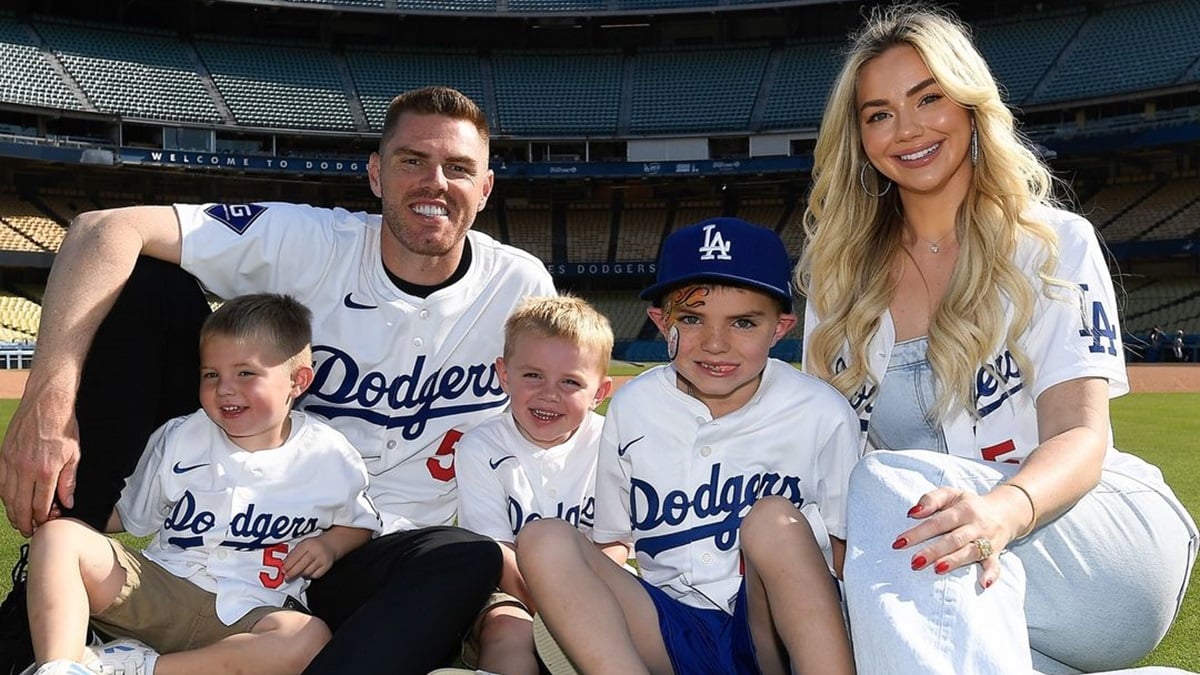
548, 650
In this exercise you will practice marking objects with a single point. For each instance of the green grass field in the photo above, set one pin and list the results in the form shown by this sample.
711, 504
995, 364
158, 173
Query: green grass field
1163, 428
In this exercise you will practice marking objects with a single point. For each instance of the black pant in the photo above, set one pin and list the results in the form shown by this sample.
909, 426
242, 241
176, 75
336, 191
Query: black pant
400, 603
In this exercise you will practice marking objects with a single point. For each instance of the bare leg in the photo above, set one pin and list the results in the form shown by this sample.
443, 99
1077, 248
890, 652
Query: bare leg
72, 575
281, 643
506, 642
598, 613
792, 598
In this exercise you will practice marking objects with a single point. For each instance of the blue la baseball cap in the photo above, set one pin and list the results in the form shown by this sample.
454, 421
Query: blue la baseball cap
724, 250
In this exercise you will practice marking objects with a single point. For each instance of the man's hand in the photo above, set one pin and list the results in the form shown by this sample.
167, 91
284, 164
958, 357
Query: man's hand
39, 458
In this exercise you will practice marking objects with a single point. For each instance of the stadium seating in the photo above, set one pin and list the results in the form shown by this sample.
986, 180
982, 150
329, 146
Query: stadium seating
1021, 51
625, 311
802, 78
19, 314
278, 85
1109, 53
529, 228
381, 73
26, 228
137, 74
588, 232
641, 232
557, 93
695, 89
27, 78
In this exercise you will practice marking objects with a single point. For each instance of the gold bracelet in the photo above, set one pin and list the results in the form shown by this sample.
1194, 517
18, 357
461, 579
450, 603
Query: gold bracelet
1032, 507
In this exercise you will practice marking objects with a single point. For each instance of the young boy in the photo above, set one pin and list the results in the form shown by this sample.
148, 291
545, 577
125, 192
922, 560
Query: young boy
247, 500
726, 471
536, 461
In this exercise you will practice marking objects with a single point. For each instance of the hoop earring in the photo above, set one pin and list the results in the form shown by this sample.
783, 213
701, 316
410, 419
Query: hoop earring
974, 146
862, 180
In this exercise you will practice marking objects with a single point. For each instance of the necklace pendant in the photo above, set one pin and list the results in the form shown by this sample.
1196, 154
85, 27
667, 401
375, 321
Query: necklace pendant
934, 248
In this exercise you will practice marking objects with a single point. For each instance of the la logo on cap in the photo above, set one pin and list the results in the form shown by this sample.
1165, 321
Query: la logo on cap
715, 247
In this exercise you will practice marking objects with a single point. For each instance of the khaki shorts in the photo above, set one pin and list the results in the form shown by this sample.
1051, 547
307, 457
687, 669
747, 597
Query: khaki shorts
166, 612
470, 643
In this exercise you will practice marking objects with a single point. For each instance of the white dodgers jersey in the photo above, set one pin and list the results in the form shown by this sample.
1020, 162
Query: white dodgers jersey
675, 483
401, 376
225, 518
504, 481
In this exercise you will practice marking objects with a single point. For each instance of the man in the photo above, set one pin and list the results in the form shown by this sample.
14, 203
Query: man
409, 313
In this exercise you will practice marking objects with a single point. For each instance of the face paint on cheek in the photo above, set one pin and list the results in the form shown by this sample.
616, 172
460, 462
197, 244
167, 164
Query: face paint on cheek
672, 342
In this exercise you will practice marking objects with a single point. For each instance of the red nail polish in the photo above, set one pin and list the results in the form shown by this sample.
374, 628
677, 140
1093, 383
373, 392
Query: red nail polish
987, 584
918, 562
914, 510
900, 543
942, 567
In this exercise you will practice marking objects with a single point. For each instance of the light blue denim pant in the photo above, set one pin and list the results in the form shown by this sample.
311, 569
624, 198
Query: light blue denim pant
1093, 590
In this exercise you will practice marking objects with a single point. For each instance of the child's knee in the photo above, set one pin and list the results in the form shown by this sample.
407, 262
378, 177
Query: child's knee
543, 537
57, 534
771, 518
305, 635
506, 625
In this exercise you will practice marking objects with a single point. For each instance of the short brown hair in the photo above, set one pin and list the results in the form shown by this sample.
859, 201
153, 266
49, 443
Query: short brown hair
565, 317
434, 101
278, 321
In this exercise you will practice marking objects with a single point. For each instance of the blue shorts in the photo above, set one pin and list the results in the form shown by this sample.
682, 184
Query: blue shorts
705, 641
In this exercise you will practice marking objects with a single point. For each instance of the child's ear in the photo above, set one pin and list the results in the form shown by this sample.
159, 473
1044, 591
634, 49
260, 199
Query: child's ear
656, 315
786, 323
603, 391
502, 371
302, 377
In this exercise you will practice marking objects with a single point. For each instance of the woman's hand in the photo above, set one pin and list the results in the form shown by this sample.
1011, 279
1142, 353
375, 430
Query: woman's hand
960, 528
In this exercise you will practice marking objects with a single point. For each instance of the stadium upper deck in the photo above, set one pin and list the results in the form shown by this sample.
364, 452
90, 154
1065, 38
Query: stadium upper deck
685, 79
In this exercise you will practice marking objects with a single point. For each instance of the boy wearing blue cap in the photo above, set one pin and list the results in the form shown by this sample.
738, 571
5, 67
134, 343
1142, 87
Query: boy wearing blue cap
726, 471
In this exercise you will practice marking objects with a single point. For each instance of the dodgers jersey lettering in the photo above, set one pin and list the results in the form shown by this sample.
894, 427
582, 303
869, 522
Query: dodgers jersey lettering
403, 377
506, 482
225, 518
675, 483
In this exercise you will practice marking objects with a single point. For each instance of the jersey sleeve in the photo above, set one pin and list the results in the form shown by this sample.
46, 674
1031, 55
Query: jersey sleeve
141, 504
1075, 331
482, 501
613, 473
839, 448
248, 248
358, 509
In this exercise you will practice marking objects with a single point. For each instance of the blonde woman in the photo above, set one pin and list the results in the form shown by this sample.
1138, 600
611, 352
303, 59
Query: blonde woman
961, 311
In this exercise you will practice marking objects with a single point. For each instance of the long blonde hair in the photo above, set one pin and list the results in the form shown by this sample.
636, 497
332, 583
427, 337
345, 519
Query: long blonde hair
853, 238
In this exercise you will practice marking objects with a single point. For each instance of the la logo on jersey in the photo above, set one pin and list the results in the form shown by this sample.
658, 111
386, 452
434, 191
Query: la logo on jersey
715, 247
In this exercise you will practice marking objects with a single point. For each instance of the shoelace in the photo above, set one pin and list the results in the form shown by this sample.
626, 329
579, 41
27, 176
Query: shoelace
19, 570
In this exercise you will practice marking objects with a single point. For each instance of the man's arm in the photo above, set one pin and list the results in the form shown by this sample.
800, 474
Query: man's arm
41, 449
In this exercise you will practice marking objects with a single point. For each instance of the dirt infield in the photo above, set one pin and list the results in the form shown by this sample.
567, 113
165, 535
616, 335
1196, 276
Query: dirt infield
1143, 377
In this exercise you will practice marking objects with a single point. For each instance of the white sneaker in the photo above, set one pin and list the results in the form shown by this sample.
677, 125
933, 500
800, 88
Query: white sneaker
121, 657
59, 667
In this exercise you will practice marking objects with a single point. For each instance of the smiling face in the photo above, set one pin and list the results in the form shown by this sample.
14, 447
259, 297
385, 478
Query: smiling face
723, 335
247, 390
553, 384
911, 131
432, 176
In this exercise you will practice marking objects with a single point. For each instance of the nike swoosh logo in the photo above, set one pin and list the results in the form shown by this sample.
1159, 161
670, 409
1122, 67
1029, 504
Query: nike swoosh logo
184, 469
622, 449
497, 462
349, 302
